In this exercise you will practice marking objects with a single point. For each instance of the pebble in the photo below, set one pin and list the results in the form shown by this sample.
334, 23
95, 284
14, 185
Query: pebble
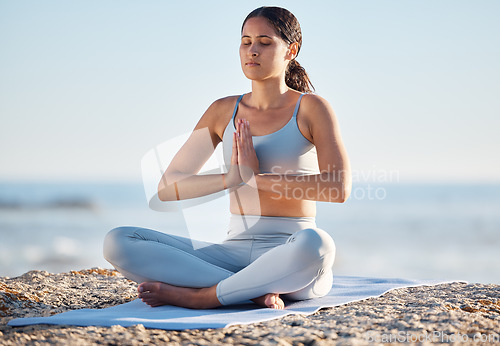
469, 309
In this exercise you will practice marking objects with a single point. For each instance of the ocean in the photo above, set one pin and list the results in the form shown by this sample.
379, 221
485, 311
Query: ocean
416, 231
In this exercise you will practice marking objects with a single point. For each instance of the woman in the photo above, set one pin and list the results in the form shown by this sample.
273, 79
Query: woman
284, 151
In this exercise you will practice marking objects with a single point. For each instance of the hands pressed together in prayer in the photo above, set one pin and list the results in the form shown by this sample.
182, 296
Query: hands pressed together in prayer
244, 162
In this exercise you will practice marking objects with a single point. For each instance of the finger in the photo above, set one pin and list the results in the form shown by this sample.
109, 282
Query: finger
234, 156
247, 127
243, 136
239, 145
240, 128
239, 135
238, 125
242, 125
248, 134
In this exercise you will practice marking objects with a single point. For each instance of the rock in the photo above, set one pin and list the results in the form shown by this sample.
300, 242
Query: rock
468, 309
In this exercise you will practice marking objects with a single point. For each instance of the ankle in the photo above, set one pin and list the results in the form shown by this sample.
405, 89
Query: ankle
206, 298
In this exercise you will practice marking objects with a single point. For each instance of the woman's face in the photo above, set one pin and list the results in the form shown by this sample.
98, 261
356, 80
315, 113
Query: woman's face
263, 54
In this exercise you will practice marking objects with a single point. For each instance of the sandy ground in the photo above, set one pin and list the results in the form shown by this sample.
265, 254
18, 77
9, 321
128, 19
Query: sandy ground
455, 313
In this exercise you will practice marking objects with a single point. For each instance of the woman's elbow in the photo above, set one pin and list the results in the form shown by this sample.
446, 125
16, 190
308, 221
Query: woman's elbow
164, 194
343, 190
167, 187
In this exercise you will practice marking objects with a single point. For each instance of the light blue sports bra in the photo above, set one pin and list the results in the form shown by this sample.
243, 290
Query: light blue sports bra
285, 151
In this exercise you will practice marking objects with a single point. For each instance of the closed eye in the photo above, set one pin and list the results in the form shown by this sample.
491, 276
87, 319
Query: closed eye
262, 43
262, 39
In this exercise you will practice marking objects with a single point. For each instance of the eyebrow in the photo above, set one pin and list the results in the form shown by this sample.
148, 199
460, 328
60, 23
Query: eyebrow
260, 36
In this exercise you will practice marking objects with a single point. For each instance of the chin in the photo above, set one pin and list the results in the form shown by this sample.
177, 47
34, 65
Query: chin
254, 75
251, 76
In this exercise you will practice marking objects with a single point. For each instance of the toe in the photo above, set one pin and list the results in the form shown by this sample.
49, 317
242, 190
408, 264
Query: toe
272, 301
147, 286
144, 295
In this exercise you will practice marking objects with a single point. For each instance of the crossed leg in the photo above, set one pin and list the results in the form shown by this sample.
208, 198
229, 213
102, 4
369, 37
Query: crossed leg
302, 265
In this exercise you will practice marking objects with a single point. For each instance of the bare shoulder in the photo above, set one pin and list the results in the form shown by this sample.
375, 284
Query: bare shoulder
316, 108
218, 114
220, 106
325, 132
317, 116
225, 103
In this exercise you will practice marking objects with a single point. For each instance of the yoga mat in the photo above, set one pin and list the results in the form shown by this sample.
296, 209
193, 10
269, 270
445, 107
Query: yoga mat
345, 289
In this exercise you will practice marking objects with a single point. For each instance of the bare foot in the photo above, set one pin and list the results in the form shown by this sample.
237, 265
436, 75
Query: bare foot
159, 293
270, 300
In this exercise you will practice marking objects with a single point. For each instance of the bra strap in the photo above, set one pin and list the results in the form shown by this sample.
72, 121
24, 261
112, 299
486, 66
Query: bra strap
236, 106
297, 105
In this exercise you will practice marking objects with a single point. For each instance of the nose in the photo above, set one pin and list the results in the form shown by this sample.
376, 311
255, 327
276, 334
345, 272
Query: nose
253, 51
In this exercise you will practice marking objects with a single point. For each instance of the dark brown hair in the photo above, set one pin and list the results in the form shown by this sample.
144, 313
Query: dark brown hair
287, 26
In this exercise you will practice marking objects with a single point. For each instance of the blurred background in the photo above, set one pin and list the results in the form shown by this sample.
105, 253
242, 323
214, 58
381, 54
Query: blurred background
88, 88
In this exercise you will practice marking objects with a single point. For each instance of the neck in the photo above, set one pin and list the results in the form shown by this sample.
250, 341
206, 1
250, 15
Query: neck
268, 94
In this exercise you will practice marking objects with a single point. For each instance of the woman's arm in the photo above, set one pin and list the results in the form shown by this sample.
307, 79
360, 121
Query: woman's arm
180, 180
333, 184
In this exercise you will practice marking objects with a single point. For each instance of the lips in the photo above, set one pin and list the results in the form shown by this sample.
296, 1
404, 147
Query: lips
252, 64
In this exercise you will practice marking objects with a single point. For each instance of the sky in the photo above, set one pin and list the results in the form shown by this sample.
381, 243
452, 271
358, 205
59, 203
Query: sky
87, 88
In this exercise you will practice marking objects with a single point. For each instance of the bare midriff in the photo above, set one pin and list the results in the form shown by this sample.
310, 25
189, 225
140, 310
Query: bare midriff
249, 201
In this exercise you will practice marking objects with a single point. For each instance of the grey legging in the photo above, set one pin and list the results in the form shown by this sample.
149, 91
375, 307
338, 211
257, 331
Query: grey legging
286, 255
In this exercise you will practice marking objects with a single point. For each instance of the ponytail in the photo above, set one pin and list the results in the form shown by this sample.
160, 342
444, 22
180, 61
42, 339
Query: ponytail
296, 78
